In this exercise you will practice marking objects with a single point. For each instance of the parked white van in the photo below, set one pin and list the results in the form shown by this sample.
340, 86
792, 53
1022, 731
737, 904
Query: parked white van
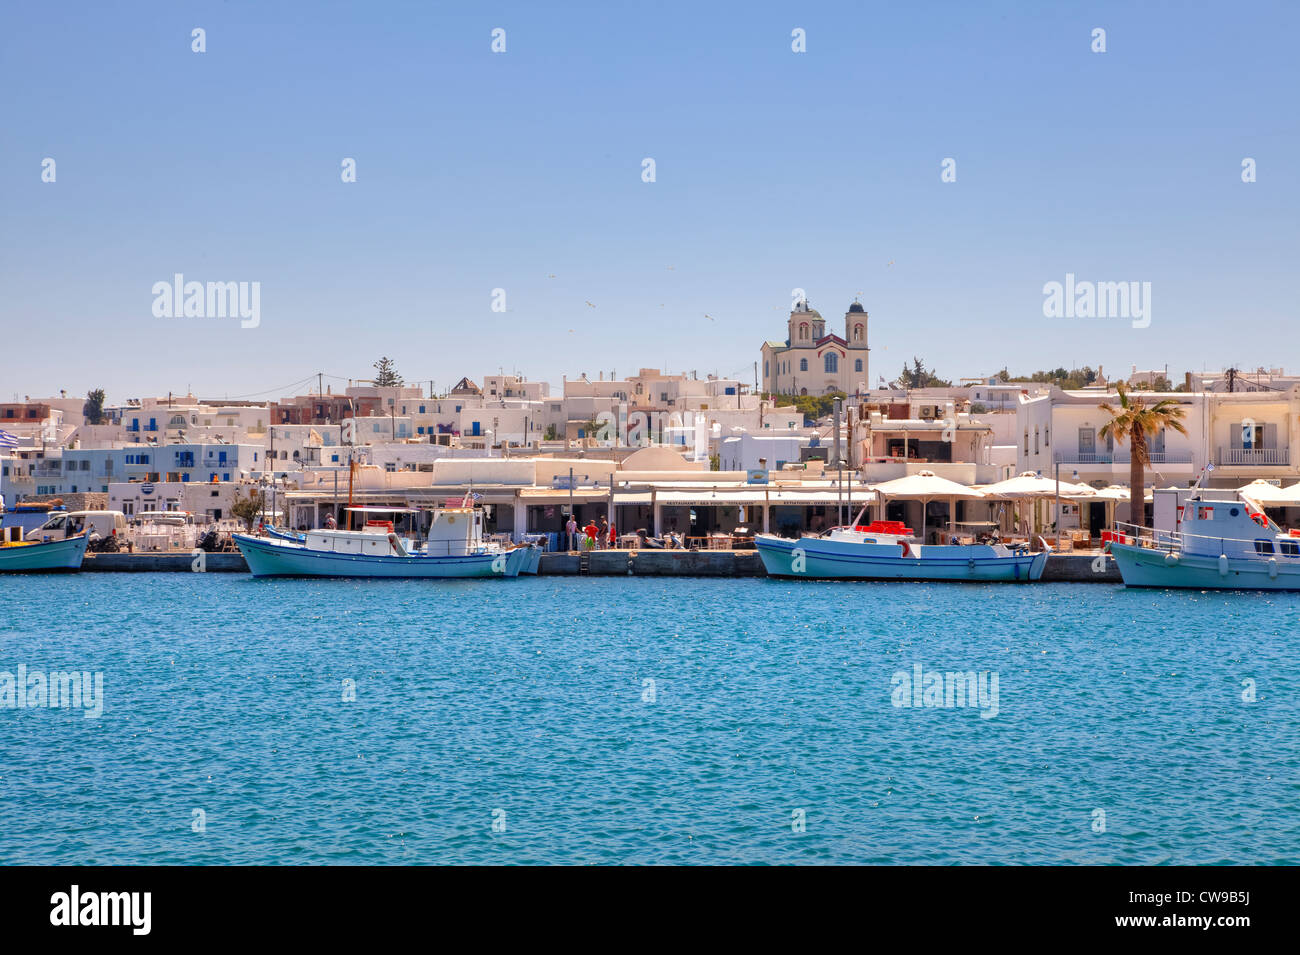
63, 524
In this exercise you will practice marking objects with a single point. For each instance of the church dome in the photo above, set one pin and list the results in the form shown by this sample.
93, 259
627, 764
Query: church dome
856, 307
803, 309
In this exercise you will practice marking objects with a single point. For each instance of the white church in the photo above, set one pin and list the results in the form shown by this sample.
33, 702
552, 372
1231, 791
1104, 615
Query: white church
812, 361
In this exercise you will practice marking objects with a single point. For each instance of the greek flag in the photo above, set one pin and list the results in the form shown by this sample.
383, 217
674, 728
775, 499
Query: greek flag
1209, 467
8, 440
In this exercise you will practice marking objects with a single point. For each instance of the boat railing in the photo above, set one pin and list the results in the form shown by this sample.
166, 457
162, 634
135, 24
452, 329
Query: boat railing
1170, 541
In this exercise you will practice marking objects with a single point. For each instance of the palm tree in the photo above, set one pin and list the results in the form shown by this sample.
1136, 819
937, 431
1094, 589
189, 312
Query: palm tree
1132, 421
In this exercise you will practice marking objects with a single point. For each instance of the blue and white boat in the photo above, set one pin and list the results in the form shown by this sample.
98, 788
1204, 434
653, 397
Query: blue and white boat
41, 556
454, 548
1225, 544
273, 531
886, 550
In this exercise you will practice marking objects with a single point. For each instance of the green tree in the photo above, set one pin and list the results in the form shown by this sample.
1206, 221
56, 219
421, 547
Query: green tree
93, 409
248, 509
810, 406
1068, 379
1133, 421
918, 376
386, 375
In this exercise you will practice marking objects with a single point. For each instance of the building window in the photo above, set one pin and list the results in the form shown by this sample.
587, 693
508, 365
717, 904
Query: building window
1047, 435
832, 363
803, 364
1026, 441
765, 373
857, 332
803, 329
1035, 441
857, 364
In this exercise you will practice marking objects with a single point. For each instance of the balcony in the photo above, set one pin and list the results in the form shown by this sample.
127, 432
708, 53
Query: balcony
1253, 457
1120, 457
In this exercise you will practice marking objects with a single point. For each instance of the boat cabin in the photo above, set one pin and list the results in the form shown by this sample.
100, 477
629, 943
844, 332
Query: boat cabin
1232, 527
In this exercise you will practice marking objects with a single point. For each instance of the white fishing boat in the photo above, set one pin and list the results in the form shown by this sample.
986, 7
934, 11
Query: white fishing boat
454, 547
1227, 544
887, 550
38, 556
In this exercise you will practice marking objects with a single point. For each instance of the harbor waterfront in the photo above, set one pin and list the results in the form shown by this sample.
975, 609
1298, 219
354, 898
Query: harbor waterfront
647, 721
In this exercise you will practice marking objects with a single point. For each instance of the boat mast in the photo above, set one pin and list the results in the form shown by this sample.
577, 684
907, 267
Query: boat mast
352, 467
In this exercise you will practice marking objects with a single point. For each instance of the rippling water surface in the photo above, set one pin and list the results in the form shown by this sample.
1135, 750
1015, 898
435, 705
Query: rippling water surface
527, 703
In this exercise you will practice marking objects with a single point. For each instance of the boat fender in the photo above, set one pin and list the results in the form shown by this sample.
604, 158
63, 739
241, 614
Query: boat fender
1272, 568
1223, 565
397, 545
1171, 559
907, 550
1259, 519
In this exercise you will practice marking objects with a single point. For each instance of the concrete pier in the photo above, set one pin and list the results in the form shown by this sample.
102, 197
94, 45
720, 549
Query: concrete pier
176, 562
1061, 568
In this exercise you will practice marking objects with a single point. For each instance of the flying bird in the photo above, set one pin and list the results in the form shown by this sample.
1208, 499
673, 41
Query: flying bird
708, 316
589, 305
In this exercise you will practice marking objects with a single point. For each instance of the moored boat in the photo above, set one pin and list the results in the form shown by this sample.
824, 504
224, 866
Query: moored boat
454, 548
42, 556
1218, 545
886, 550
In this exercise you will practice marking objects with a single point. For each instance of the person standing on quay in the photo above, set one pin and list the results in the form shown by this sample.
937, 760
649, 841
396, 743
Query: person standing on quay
590, 530
571, 529
603, 537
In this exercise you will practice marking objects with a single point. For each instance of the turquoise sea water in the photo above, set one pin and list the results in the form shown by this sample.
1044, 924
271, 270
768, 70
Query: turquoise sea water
526, 702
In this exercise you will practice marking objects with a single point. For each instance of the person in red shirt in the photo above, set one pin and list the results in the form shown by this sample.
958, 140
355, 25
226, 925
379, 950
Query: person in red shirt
591, 531
613, 536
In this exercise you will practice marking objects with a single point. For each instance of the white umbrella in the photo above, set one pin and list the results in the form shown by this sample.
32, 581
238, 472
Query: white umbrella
1112, 492
1270, 495
1029, 484
924, 486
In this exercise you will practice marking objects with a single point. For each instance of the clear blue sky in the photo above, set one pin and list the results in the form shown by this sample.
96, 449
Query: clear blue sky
775, 170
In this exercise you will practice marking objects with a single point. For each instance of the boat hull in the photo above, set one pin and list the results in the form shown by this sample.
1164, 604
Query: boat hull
284, 558
534, 562
823, 559
1149, 567
46, 557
